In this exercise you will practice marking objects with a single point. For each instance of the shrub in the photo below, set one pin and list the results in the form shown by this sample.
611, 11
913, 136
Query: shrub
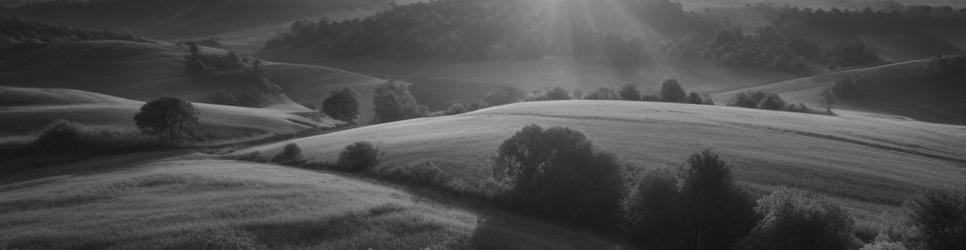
940, 218
291, 154
358, 157
342, 105
168, 117
455, 109
557, 173
695, 98
671, 91
394, 102
651, 215
714, 212
630, 93
59, 136
794, 220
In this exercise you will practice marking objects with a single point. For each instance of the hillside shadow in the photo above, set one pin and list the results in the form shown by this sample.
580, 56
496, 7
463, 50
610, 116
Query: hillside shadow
501, 230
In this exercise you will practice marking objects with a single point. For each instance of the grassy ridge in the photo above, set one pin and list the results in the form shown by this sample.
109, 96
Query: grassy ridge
870, 165
175, 203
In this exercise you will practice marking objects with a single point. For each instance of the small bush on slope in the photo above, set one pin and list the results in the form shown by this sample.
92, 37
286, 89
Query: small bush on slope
455, 109
793, 220
63, 141
556, 173
358, 157
291, 154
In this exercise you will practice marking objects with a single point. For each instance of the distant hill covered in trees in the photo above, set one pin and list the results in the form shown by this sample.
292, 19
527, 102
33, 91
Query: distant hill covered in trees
468, 30
17, 31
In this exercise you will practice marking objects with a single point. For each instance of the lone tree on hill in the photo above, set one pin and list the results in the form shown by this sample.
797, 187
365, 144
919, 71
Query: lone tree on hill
556, 172
671, 91
342, 104
168, 117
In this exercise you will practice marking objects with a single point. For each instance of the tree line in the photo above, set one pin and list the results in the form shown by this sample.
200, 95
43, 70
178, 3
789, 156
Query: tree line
20, 31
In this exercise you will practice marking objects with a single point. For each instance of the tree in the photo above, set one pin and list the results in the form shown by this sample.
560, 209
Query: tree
797, 221
652, 221
714, 212
695, 98
557, 173
167, 117
671, 91
359, 156
342, 104
629, 92
940, 218
394, 102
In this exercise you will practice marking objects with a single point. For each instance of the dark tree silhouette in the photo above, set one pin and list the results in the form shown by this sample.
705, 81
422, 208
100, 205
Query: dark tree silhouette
629, 92
342, 104
941, 220
671, 91
557, 173
168, 117
359, 156
797, 221
715, 213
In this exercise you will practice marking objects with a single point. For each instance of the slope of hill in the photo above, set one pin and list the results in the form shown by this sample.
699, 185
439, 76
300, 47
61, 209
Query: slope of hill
145, 71
30, 110
902, 89
871, 165
156, 201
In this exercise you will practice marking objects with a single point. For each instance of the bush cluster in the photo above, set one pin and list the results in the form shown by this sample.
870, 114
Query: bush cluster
394, 102
768, 101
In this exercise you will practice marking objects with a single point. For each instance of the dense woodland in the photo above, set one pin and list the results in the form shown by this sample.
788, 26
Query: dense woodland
18, 31
468, 30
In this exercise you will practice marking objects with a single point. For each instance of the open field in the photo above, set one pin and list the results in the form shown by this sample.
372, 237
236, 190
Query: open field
870, 165
160, 201
900, 89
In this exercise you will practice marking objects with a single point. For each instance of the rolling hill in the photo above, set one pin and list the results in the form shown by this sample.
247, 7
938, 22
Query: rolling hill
870, 165
171, 200
25, 111
144, 71
901, 89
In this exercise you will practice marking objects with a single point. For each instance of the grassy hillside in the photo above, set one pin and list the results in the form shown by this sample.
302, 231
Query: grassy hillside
28, 110
146, 71
164, 202
901, 89
870, 165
